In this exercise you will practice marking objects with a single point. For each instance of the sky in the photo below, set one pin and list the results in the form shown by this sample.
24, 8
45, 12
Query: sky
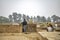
30, 7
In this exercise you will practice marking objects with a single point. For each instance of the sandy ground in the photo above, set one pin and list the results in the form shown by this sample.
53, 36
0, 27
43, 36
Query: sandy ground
19, 36
51, 35
30, 36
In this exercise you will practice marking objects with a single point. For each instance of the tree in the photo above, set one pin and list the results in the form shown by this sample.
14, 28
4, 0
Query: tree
3, 19
24, 16
19, 18
10, 18
38, 19
35, 19
48, 19
43, 19
28, 18
54, 18
15, 16
31, 20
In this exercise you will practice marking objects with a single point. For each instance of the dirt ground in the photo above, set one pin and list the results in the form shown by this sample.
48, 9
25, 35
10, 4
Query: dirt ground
30, 36
19, 36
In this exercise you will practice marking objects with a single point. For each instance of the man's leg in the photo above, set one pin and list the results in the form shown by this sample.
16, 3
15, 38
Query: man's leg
25, 28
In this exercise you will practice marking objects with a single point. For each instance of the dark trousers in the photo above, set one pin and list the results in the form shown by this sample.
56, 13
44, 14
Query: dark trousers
24, 28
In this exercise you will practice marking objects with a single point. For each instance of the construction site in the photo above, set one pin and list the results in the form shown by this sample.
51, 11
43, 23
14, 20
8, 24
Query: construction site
34, 32
29, 19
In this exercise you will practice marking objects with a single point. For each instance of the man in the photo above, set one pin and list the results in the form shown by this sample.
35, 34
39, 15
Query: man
24, 23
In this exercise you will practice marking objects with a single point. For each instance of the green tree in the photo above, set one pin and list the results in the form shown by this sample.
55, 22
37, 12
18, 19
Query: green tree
19, 16
38, 19
35, 19
28, 18
15, 16
3, 19
10, 18
54, 18
48, 19
24, 16
43, 19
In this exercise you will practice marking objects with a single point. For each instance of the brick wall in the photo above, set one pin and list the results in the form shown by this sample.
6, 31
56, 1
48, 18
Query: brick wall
16, 28
10, 28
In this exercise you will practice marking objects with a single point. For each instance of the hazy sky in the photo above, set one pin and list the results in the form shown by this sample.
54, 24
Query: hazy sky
30, 7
